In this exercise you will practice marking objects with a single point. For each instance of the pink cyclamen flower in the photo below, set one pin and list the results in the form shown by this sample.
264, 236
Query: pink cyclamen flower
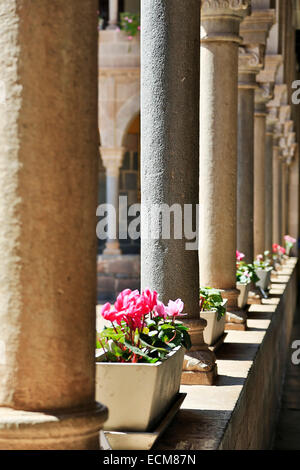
129, 20
130, 38
160, 310
282, 250
150, 299
239, 255
174, 308
289, 239
139, 28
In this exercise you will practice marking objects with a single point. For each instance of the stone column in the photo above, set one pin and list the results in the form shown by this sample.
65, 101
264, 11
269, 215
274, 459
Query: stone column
170, 156
262, 96
112, 161
48, 184
284, 200
270, 123
249, 66
218, 146
113, 10
276, 190
293, 215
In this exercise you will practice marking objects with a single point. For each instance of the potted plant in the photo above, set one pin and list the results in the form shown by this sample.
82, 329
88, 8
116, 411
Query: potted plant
289, 243
212, 309
130, 24
245, 274
263, 268
139, 365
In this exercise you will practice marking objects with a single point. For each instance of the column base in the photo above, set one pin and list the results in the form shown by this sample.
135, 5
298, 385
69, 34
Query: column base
48, 430
112, 249
199, 368
236, 320
199, 378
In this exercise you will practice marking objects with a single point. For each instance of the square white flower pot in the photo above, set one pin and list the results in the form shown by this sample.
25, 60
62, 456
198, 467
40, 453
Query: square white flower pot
138, 395
264, 278
214, 328
243, 295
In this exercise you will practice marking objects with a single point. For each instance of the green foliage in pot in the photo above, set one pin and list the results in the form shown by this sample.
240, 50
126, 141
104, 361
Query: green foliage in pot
211, 299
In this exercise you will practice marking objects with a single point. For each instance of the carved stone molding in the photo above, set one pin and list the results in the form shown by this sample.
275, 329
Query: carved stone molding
272, 64
280, 96
112, 158
285, 113
263, 94
251, 58
255, 28
220, 19
215, 5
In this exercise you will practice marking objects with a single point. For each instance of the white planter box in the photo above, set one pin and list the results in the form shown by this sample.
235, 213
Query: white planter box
138, 395
214, 328
264, 278
243, 295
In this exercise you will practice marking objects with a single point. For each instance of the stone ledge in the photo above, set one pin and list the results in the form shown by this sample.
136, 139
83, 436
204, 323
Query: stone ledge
241, 410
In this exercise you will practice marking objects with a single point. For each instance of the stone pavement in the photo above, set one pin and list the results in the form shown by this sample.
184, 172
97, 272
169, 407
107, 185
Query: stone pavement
288, 428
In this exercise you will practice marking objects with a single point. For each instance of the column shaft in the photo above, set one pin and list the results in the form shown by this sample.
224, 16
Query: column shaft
218, 164
269, 189
284, 200
259, 181
276, 195
169, 140
113, 14
48, 181
245, 181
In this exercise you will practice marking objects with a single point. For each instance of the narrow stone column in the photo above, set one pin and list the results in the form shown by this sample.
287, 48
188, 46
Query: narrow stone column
276, 189
262, 96
112, 161
284, 200
270, 123
48, 184
113, 11
218, 147
249, 66
293, 215
170, 158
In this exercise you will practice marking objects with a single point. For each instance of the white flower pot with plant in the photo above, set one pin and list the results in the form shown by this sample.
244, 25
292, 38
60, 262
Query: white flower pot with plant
245, 274
212, 309
138, 369
263, 268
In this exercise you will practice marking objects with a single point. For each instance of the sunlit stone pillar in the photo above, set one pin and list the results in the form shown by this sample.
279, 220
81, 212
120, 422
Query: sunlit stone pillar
249, 65
270, 123
218, 146
48, 184
170, 159
113, 9
276, 193
112, 161
293, 215
284, 200
262, 96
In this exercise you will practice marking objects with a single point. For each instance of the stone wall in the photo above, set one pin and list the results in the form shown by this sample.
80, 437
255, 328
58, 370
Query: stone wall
115, 273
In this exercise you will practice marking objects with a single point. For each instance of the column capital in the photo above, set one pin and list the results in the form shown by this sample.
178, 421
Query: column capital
251, 61
272, 119
285, 113
255, 28
280, 96
263, 94
272, 64
220, 19
112, 159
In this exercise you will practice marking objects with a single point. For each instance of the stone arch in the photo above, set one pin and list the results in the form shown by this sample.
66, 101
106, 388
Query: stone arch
126, 114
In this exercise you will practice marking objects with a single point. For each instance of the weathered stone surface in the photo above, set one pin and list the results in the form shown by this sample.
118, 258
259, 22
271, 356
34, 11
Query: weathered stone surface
48, 179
